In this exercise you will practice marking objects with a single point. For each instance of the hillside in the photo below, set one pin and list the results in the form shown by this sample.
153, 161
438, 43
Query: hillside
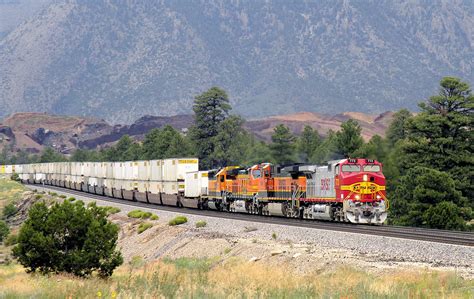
33, 131
119, 60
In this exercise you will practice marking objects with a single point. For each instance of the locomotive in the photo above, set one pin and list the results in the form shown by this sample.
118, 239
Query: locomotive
347, 190
350, 190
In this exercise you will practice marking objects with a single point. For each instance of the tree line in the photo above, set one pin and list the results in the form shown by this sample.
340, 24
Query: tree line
428, 157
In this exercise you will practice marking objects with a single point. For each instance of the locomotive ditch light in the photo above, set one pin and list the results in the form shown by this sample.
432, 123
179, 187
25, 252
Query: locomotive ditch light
379, 197
357, 197
365, 178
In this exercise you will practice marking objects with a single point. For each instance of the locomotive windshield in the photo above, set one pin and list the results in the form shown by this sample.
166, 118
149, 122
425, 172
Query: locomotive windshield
350, 168
372, 168
256, 173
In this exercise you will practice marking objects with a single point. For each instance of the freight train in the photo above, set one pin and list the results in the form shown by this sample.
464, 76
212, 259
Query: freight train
347, 190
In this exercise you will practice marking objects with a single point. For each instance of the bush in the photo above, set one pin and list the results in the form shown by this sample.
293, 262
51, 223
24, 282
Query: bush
68, 237
112, 210
139, 214
63, 196
154, 217
39, 196
146, 215
15, 177
53, 193
178, 220
201, 223
71, 199
144, 226
135, 214
445, 215
274, 236
9, 210
11, 240
4, 230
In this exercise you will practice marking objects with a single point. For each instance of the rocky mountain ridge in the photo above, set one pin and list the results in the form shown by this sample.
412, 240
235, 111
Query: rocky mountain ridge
119, 60
32, 131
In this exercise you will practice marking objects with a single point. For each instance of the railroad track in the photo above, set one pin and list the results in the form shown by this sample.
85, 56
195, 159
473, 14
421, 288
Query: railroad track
420, 234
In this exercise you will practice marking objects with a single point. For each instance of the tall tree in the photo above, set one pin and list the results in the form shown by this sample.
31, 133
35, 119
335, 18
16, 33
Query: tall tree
165, 143
308, 142
231, 142
349, 138
441, 136
326, 150
50, 155
210, 108
397, 129
283, 145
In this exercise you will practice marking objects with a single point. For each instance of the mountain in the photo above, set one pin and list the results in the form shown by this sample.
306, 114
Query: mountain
32, 131
121, 59
14, 12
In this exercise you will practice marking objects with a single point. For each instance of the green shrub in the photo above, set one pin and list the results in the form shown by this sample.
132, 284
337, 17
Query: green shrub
201, 223
139, 214
48, 242
53, 193
71, 199
15, 177
154, 217
39, 196
112, 210
178, 220
12, 239
274, 236
135, 214
63, 196
144, 226
146, 215
4, 230
9, 210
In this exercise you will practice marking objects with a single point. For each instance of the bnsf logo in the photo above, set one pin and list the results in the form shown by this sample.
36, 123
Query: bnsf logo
325, 184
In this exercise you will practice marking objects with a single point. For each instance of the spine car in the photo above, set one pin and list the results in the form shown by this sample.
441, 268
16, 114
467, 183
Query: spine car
348, 190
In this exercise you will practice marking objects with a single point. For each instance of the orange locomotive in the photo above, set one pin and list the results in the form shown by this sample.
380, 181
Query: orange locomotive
344, 190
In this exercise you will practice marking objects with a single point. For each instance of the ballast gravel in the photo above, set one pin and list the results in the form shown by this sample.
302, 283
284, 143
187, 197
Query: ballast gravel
306, 248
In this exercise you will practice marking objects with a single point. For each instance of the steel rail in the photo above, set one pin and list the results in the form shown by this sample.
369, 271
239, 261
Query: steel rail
412, 233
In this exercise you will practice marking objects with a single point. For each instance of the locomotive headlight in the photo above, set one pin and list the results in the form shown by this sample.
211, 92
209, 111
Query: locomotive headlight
379, 197
357, 197
365, 178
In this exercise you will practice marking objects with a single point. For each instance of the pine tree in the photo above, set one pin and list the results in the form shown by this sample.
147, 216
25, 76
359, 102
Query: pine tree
231, 142
308, 142
441, 136
211, 108
283, 145
397, 129
349, 138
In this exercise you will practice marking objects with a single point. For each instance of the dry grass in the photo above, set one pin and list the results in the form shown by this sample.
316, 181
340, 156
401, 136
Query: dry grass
10, 191
210, 278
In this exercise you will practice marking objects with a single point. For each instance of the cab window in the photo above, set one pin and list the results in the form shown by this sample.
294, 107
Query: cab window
350, 168
337, 169
256, 173
372, 168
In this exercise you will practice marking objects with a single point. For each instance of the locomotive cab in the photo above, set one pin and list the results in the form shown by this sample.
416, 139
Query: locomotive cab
360, 184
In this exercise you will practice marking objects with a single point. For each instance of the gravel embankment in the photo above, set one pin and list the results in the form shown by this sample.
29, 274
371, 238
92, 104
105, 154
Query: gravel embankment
309, 247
